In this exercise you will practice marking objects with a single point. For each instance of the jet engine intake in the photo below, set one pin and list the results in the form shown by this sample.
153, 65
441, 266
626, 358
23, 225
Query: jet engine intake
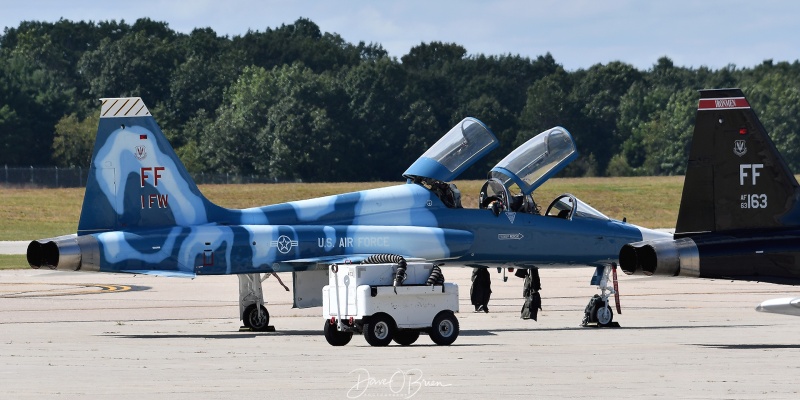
664, 257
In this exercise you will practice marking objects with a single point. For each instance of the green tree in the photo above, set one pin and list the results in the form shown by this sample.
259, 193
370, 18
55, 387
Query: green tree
776, 99
640, 105
197, 84
301, 41
238, 138
599, 90
307, 126
421, 127
138, 64
500, 120
667, 137
376, 98
432, 69
74, 139
548, 104
32, 101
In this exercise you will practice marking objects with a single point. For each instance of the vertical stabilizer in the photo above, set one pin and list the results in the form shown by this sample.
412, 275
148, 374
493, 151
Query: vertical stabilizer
735, 179
136, 179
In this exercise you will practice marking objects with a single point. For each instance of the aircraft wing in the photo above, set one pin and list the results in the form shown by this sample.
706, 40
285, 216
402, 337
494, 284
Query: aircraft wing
169, 274
784, 305
320, 263
339, 259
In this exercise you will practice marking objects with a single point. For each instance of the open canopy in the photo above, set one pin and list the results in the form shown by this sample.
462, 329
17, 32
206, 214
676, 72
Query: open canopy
464, 144
536, 160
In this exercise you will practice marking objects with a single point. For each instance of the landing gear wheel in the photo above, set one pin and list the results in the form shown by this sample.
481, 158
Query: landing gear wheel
406, 337
444, 329
336, 337
603, 315
255, 321
379, 330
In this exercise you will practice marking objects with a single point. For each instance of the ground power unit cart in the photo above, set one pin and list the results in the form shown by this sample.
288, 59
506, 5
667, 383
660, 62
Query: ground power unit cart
389, 301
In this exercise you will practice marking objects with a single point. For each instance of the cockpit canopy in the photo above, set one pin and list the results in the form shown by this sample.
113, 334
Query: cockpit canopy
511, 182
536, 160
466, 143
528, 166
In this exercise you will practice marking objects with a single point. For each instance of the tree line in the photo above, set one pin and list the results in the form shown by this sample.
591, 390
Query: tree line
293, 102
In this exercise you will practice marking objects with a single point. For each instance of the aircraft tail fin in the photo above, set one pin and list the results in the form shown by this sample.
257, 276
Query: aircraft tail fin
136, 179
735, 178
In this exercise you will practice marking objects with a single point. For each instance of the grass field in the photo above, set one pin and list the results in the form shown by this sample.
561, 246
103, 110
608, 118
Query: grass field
16, 261
647, 201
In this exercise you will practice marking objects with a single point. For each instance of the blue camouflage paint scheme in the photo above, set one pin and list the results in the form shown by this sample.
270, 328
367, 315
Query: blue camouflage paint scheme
147, 215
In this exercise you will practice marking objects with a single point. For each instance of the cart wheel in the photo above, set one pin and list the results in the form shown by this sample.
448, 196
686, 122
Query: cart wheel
603, 315
336, 337
379, 330
444, 329
405, 337
253, 320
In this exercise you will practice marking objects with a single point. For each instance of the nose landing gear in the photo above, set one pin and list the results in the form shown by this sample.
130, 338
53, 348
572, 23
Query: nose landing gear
598, 312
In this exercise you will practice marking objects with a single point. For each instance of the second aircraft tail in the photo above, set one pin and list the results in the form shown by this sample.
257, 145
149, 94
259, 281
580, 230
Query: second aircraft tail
735, 178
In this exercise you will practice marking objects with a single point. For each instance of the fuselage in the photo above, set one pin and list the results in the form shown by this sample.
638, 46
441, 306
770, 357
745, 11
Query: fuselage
405, 219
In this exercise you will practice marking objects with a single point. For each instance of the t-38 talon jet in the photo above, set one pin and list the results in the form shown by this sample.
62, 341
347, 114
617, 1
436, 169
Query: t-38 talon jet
739, 216
143, 214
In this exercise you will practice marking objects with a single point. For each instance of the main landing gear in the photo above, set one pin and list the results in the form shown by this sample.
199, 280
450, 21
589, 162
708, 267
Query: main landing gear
598, 311
252, 312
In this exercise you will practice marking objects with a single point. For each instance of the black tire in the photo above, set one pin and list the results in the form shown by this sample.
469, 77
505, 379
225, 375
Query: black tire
336, 337
603, 315
444, 329
406, 337
379, 330
251, 318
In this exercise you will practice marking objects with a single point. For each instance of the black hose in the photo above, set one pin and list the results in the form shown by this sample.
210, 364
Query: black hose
401, 276
386, 258
436, 277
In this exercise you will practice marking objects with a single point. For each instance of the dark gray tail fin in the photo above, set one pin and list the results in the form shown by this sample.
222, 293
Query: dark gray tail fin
735, 179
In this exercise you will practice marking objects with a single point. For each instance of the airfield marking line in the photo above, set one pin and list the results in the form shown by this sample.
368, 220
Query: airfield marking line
67, 290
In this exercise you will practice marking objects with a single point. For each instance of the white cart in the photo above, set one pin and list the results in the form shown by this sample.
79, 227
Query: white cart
362, 298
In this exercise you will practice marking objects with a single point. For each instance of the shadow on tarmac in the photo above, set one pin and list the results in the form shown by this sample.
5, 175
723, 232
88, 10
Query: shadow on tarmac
750, 346
472, 332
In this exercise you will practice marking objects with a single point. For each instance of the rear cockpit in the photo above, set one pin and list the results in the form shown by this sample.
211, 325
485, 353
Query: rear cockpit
462, 146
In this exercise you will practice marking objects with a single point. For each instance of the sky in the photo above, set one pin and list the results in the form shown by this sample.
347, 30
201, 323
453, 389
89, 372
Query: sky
578, 33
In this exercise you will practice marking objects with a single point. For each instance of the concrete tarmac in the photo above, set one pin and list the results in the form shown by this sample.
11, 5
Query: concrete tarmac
88, 335
14, 247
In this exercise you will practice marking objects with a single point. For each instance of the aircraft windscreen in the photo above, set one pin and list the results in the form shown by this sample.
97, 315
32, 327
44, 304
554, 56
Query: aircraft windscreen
586, 211
583, 210
465, 140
